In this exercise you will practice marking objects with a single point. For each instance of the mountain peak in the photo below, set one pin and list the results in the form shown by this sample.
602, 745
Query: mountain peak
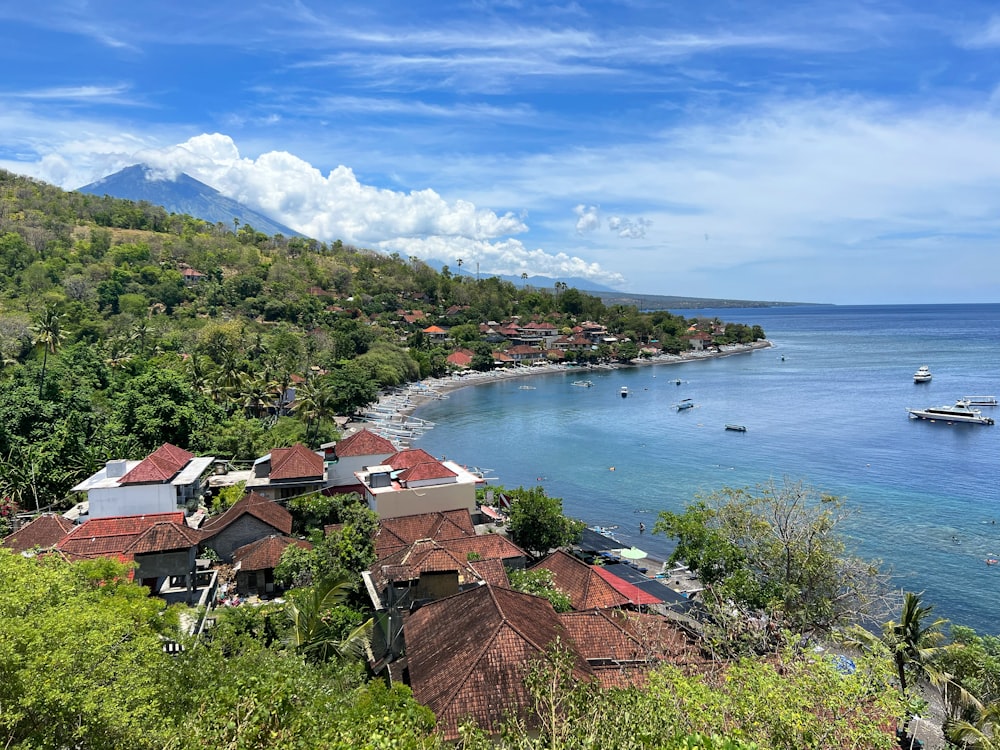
182, 195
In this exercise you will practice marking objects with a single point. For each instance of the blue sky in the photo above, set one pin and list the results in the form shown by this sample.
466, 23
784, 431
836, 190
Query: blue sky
844, 152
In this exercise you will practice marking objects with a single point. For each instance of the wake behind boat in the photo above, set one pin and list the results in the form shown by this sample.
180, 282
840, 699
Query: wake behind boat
960, 412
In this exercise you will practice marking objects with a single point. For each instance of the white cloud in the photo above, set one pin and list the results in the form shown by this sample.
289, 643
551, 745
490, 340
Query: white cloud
588, 218
629, 229
985, 36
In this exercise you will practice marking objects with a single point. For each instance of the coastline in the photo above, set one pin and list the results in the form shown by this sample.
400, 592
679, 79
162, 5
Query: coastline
396, 406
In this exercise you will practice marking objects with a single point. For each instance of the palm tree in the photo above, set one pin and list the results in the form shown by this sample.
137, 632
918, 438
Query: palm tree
48, 333
981, 734
311, 633
913, 641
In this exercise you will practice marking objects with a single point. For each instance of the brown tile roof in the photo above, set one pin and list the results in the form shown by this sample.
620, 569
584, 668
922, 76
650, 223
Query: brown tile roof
164, 537
264, 554
622, 647
423, 556
105, 537
395, 533
584, 586
364, 443
159, 466
492, 572
297, 462
42, 533
486, 546
255, 505
468, 653
461, 358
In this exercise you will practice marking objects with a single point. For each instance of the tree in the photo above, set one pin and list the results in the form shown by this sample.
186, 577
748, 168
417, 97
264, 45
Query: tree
311, 633
48, 334
540, 583
537, 522
775, 549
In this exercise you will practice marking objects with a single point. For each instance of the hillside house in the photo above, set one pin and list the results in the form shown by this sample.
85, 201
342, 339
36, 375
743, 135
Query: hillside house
288, 472
167, 480
255, 562
249, 519
353, 454
413, 481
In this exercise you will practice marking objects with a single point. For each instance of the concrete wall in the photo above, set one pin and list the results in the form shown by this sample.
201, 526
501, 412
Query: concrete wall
342, 472
135, 500
243, 530
407, 502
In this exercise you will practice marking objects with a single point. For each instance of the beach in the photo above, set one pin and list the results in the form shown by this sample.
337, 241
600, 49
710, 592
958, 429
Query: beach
393, 415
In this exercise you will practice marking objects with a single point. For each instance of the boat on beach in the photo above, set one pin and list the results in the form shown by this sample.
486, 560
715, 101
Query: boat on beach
922, 375
961, 412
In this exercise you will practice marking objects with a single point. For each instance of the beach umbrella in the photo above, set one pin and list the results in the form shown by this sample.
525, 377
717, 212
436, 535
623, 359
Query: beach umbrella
633, 553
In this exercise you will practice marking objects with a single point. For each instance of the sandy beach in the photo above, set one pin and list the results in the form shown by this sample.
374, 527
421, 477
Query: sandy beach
393, 414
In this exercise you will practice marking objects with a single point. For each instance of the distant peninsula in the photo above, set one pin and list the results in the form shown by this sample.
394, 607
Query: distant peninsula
653, 302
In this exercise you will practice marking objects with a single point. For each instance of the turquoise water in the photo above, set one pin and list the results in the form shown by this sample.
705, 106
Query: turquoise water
825, 406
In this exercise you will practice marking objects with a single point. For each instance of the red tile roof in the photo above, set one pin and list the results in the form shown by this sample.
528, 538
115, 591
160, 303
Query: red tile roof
434, 330
461, 358
468, 654
43, 532
584, 586
297, 462
406, 459
255, 505
264, 554
363, 443
159, 466
426, 471
103, 537
396, 533
629, 590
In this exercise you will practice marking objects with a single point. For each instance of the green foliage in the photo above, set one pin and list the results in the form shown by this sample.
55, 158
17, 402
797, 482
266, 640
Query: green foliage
540, 583
537, 523
774, 549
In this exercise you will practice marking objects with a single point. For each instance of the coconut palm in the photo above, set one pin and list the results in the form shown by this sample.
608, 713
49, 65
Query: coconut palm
48, 334
311, 634
981, 734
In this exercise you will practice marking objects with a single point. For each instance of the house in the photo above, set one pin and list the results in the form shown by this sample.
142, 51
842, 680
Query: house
288, 472
353, 454
167, 480
413, 481
161, 545
255, 562
461, 359
396, 533
191, 276
249, 519
42, 533
523, 353
468, 654
436, 333
699, 340
583, 585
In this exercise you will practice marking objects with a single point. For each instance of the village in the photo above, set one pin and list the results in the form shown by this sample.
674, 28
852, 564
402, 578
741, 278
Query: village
448, 623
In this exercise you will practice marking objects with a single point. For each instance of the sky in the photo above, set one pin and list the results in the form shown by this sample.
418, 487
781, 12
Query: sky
845, 151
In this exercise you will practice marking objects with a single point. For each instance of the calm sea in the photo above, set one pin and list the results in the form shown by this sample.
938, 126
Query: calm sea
824, 406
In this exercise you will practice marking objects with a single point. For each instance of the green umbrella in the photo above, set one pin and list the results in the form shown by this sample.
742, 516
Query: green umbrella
633, 553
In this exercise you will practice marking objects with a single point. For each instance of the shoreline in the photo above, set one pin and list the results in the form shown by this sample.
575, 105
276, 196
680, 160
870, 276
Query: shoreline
397, 406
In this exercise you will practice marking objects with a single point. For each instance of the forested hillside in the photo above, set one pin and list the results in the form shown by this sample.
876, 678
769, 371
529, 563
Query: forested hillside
123, 327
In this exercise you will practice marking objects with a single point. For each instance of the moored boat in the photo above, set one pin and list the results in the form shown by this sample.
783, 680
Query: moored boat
922, 375
624, 391
960, 412
685, 404
736, 427
980, 400
583, 383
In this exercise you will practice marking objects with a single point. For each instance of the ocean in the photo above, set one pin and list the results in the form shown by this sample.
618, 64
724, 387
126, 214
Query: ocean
824, 406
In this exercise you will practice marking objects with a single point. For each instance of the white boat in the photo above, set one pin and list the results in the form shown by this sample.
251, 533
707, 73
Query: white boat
960, 412
980, 400
624, 391
922, 375
685, 404
736, 427
582, 383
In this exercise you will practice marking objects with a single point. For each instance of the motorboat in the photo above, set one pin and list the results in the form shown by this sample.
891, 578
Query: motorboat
685, 404
922, 375
960, 412
980, 400
583, 383
624, 391
736, 427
